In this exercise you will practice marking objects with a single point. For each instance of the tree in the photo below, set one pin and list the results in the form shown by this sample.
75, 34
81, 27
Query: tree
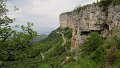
25, 37
5, 29
12, 41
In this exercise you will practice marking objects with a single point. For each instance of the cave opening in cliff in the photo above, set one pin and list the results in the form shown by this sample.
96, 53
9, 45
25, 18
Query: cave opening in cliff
85, 33
98, 31
105, 26
105, 30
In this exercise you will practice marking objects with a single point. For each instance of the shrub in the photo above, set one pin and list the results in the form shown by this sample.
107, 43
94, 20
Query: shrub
105, 4
82, 63
92, 43
116, 2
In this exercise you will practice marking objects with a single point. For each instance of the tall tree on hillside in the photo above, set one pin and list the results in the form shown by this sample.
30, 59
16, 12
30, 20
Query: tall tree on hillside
11, 40
5, 29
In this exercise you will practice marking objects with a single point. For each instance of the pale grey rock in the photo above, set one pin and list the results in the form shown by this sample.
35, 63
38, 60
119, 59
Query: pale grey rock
92, 18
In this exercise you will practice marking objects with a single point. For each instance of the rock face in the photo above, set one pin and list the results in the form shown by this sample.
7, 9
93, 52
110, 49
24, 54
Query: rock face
90, 18
66, 20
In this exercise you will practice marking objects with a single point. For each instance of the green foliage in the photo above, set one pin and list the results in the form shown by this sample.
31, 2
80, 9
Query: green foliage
51, 48
44, 66
13, 43
55, 51
3, 9
98, 56
92, 43
68, 33
105, 3
82, 63
28, 30
39, 38
93, 49
116, 64
18, 49
5, 31
24, 63
79, 8
116, 2
116, 41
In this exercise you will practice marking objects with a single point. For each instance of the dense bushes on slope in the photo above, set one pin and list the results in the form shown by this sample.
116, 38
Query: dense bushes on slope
94, 54
81, 63
98, 52
92, 43
48, 51
18, 51
103, 52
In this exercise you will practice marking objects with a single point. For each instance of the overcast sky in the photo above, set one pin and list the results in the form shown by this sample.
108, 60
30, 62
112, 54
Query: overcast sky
43, 13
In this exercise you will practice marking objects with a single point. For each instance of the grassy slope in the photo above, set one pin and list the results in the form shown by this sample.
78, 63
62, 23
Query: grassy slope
39, 38
54, 54
51, 49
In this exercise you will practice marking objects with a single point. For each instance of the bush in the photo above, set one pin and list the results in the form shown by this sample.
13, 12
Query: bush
44, 66
105, 4
98, 56
68, 33
116, 2
116, 64
82, 63
92, 43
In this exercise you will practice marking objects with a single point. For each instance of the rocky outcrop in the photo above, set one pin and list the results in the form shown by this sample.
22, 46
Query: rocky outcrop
90, 18
66, 20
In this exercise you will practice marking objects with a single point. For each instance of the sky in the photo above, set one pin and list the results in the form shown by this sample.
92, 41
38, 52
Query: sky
42, 13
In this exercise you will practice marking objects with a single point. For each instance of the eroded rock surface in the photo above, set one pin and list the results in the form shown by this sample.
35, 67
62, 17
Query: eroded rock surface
90, 19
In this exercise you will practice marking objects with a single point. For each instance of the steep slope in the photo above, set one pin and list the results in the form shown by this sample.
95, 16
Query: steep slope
48, 53
91, 41
95, 34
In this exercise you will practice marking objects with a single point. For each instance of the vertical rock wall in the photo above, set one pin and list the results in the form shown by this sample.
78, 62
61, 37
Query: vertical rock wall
90, 19
66, 20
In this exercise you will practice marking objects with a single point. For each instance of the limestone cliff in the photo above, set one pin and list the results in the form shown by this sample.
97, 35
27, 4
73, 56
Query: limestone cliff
90, 18
66, 20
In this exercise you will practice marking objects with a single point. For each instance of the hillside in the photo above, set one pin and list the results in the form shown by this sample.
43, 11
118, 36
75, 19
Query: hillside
43, 54
39, 38
94, 30
88, 37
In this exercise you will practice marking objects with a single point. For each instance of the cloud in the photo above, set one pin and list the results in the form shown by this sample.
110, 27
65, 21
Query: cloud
44, 13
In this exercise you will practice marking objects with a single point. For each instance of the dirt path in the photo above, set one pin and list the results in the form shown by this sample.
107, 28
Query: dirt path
64, 40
